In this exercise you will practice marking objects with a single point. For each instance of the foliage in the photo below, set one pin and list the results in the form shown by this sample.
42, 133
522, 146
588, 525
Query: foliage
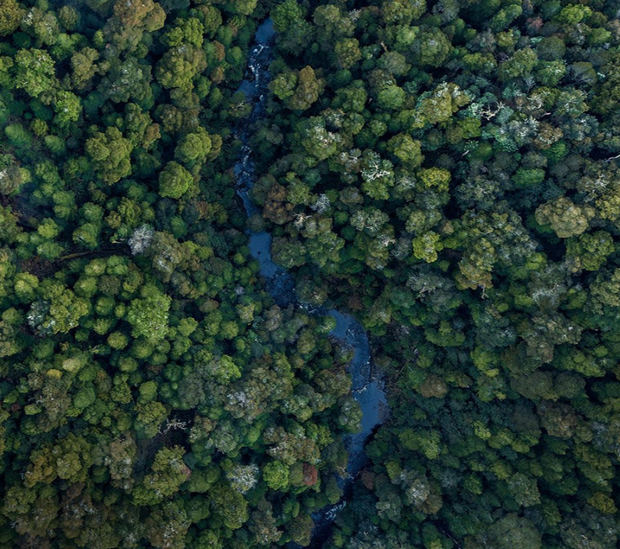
467, 153
447, 172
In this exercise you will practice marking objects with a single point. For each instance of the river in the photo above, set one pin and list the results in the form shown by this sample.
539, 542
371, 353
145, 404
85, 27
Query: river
367, 389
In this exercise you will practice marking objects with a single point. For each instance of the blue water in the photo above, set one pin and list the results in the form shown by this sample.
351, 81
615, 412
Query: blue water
367, 390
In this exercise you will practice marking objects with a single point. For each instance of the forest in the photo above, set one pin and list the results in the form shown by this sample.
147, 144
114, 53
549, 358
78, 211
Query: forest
447, 172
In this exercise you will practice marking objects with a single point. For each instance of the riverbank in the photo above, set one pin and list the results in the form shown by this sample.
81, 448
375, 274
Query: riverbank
367, 390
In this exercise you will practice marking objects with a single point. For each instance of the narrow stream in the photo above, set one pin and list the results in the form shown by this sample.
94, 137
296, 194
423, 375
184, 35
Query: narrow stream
367, 390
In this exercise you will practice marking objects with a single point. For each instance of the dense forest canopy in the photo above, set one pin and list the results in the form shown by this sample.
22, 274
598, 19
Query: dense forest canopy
447, 171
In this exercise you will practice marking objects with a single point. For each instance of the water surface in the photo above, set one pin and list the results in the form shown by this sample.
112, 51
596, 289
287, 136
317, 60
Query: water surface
367, 390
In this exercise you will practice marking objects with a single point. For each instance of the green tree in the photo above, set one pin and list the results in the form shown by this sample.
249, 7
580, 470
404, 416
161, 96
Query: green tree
193, 147
35, 72
275, 475
10, 16
148, 314
168, 473
179, 65
514, 531
407, 150
402, 11
347, 53
565, 217
174, 180
110, 154
306, 92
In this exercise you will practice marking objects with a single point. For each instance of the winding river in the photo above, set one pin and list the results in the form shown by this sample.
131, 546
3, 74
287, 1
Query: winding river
367, 390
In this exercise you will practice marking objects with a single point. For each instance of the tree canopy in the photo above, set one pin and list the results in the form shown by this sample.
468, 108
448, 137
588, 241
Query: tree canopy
446, 171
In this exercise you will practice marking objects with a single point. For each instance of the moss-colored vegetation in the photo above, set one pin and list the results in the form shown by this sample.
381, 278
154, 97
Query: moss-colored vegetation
448, 171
